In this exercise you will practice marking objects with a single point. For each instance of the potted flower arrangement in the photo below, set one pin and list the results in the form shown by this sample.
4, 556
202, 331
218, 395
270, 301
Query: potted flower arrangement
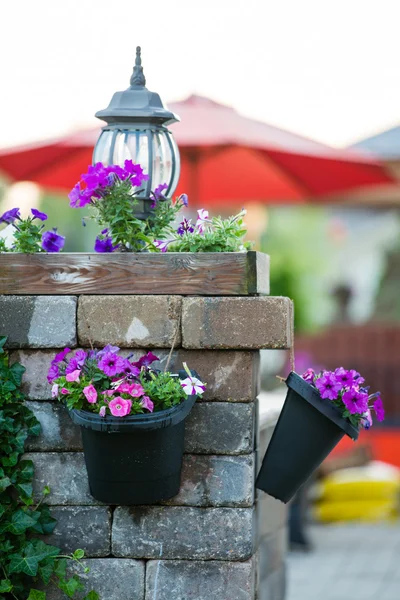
320, 408
131, 418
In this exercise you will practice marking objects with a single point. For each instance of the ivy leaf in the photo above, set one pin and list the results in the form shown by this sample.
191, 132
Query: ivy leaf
26, 470
46, 570
78, 554
23, 564
61, 567
36, 595
11, 460
70, 586
92, 595
17, 371
21, 521
26, 490
5, 586
4, 484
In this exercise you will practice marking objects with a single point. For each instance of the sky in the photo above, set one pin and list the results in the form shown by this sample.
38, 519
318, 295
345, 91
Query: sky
326, 69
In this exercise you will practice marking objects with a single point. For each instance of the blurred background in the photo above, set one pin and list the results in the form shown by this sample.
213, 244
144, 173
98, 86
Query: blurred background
289, 109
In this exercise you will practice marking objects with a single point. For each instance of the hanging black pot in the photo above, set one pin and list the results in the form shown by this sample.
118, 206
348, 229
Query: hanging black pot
307, 430
135, 459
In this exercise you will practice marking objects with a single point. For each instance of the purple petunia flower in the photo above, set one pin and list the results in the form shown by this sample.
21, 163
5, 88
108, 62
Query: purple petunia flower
202, 218
185, 226
106, 349
147, 403
379, 410
80, 357
328, 386
53, 372
309, 376
10, 215
130, 369
52, 242
38, 215
158, 192
61, 355
184, 199
135, 172
358, 380
111, 364
344, 377
72, 366
146, 360
79, 198
162, 245
355, 401
105, 245
366, 421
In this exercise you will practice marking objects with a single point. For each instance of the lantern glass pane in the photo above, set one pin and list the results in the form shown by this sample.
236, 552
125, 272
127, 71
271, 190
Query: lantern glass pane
101, 151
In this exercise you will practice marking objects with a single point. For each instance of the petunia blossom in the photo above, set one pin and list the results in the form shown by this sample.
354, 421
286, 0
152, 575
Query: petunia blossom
184, 199
379, 410
61, 355
185, 226
53, 372
162, 245
202, 218
366, 420
54, 390
309, 376
147, 403
105, 244
355, 401
328, 386
192, 385
80, 357
102, 411
146, 360
90, 393
120, 407
111, 364
345, 377
10, 215
38, 215
65, 391
52, 241
74, 376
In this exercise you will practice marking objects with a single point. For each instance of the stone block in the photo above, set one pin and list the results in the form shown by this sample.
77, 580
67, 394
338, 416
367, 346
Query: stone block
129, 321
216, 481
200, 580
38, 321
58, 432
273, 587
220, 428
231, 376
248, 323
65, 474
271, 552
34, 381
111, 578
86, 527
177, 532
271, 514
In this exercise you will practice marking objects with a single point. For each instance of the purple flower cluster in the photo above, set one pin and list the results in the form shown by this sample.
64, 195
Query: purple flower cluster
52, 241
104, 242
96, 182
344, 388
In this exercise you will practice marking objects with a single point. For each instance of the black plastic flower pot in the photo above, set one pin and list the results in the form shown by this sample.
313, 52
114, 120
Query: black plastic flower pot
307, 430
135, 459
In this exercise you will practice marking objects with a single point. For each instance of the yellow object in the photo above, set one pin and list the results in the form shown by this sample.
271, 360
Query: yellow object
356, 510
375, 482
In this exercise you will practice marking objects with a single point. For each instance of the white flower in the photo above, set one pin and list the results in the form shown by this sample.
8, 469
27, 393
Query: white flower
192, 386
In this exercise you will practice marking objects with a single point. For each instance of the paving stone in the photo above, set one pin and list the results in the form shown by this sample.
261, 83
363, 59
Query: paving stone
129, 321
216, 481
206, 480
173, 532
86, 527
65, 474
38, 321
248, 323
34, 381
58, 432
220, 428
112, 578
200, 580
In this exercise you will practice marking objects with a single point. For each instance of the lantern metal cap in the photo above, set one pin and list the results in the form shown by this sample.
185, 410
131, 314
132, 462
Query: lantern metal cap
137, 103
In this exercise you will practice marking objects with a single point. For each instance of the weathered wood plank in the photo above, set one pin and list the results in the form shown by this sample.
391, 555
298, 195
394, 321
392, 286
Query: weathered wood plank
208, 274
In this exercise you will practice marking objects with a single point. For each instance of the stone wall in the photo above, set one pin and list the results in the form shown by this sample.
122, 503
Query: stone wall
216, 540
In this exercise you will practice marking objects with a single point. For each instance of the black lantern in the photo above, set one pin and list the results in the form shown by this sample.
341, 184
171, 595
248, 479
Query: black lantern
136, 129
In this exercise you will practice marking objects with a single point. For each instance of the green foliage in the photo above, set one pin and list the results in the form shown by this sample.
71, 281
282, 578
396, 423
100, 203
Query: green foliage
25, 560
163, 389
116, 212
219, 235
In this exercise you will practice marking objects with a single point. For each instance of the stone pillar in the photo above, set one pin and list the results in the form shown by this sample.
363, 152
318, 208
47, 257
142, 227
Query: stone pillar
202, 544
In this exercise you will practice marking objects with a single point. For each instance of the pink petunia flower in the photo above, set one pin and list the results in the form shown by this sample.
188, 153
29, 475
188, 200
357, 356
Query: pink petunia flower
74, 376
65, 391
109, 392
147, 403
102, 411
328, 386
90, 393
120, 407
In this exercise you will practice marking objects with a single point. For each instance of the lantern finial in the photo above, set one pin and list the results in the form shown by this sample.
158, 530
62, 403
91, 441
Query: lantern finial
138, 78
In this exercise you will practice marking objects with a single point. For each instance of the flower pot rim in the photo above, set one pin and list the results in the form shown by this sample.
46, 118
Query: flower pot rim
313, 397
156, 420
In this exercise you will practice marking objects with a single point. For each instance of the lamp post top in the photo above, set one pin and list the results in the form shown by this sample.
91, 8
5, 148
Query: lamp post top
137, 103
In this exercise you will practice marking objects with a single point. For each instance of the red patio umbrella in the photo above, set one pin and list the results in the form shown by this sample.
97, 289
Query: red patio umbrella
226, 159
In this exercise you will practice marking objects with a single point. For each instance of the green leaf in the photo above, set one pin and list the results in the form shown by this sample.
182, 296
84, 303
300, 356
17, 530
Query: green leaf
36, 595
61, 567
23, 564
4, 484
46, 570
5, 586
22, 520
92, 595
70, 586
26, 470
11, 460
78, 554
25, 489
